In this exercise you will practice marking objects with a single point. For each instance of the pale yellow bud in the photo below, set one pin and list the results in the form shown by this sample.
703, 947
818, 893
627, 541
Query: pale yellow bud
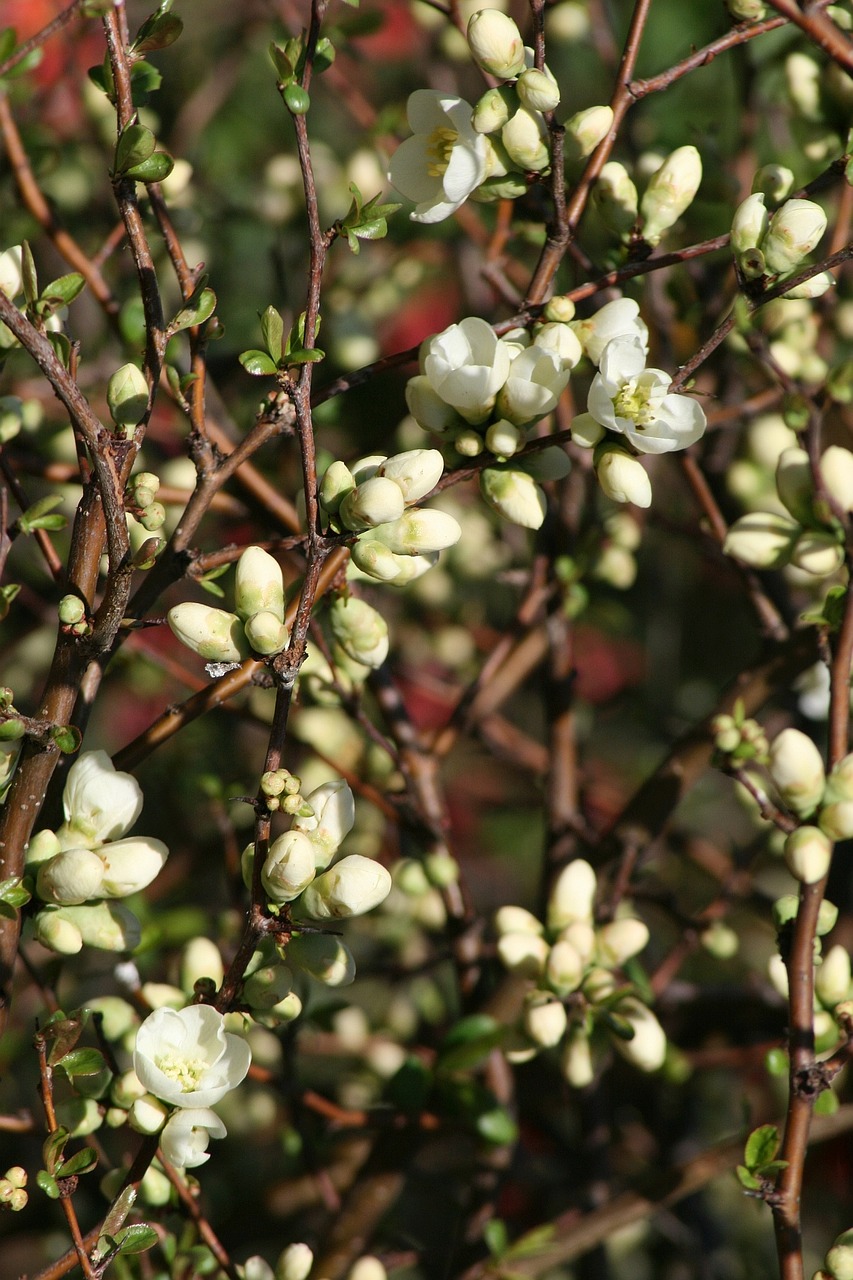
352, 887
839, 1259
647, 1049
495, 43
794, 484
832, 979
572, 896
324, 956
419, 532
537, 90
523, 953
615, 198
492, 110
584, 130
360, 630
808, 853
373, 502
416, 472
564, 968
289, 867
587, 431
749, 224
794, 231
818, 552
510, 919
127, 396
266, 633
337, 482
581, 935
525, 138
211, 633
619, 940
52, 930
796, 767
762, 539
576, 1061
200, 958
670, 192
836, 468
258, 585
294, 1263
514, 495
622, 477
148, 1114
775, 181
544, 1019
836, 819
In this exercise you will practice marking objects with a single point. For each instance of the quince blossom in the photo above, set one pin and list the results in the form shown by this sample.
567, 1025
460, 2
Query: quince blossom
185, 1136
634, 401
186, 1057
467, 365
444, 160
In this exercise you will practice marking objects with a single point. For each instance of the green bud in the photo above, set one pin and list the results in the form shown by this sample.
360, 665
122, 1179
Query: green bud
152, 517
296, 99
258, 586
127, 396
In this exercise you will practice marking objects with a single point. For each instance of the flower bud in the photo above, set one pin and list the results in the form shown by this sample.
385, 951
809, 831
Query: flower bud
525, 138
200, 958
361, 632
581, 935
503, 438
417, 472
796, 768
52, 930
839, 784
559, 310
324, 956
762, 539
537, 90
331, 822
373, 502
544, 1019
749, 224
746, 10
572, 896
495, 43
148, 1114
71, 610
836, 468
511, 919
80, 1116
266, 633
839, 1259
836, 819
647, 1049
419, 531
576, 1060
11, 279
598, 984
352, 887
127, 396
622, 477
211, 633
618, 941
117, 1017
131, 864
795, 229
670, 192
258, 585
267, 986
378, 561
818, 552
71, 877
523, 953
289, 867
337, 482
815, 287
794, 484
832, 979
562, 341
427, 407
493, 110
586, 431
775, 181
564, 968
584, 130
294, 1263
615, 199
808, 853
514, 495
367, 1267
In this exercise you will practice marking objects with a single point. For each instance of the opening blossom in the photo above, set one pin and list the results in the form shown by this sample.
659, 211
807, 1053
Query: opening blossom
467, 364
185, 1136
186, 1057
636, 402
444, 160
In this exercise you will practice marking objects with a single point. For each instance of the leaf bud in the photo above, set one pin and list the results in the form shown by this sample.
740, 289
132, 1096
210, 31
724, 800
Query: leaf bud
495, 43
796, 767
296, 99
572, 895
795, 229
832, 978
337, 482
360, 630
615, 198
544, 1019
525, 138
144, 488
352, 887
538, 90
211, 633
127, 396
762, 539
670, 192
152, 517
258, 585
289, 867
514, 495
373, 502
584, 130
71, 609
417, 472
622, 477
808, 853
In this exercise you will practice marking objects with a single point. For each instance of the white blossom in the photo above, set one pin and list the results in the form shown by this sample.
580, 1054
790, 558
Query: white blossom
634, 401
535, 381
467, 365
187, 1058
351, 887
185, 1136
99, 802
618, 319
444, 160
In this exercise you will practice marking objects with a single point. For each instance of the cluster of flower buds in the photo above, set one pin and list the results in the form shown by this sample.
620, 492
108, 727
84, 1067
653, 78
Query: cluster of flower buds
630, 408
257, 625
669, 193
576, 998
12, 1189
80, 870
142, 492
376, 498
485, 392
806, 534
775, 245
283, 790
739, 738
296, 1261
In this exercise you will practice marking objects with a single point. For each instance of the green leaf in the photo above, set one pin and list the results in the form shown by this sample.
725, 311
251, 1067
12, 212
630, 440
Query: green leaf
47, 1184
769, 1171
28, 272
81, 1162
32, 517
135, 144
496, 1237
283, 66
53, 1147
8, 40
67, 737
61, 344
136, 1238
497, 1126
324, 55
305, 355
272, 327
154, 169
296, 99
157, 32
60, 292
144, 79
748, 1180
13, 893
532, 1242
761, 1146
470, 1042
83, 1062
119, 1210
826, 1103
257, 363
7, 595
197, 308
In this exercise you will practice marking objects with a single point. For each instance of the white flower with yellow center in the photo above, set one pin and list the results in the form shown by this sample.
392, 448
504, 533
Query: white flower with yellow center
187, 1058
636, 402
444, 160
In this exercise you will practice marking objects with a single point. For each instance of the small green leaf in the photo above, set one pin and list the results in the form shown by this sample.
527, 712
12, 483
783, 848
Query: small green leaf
157, 32
761, 1146
748, 1180
776, 1062
136, 144
532, 1242
154, 169
283, 66
81, 1162
47, 1184
60, 292
29, 274
826, 1103
61, 345
470, 1042
67, 737
305, 355
769, 1171
83, 1062
144, 79
272, 327
28, 520
64, 1033
13, 892
257, 363
136, 1238
197, 308
497, 1126
7, 595
119, 1210
53, 1147
496, 1237
324, 55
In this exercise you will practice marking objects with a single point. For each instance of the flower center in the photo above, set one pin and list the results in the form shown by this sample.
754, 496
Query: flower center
441, 143
186, 1072
635, 401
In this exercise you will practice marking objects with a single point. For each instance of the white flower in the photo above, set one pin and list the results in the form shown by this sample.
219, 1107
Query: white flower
467, 365
290, 866
186, 1135
351, 887
187, 1058
534, 384
99, 802
444, 160
794, 230
514, 495
130, 865
635, 401
417, 472
617, 319
334, 814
